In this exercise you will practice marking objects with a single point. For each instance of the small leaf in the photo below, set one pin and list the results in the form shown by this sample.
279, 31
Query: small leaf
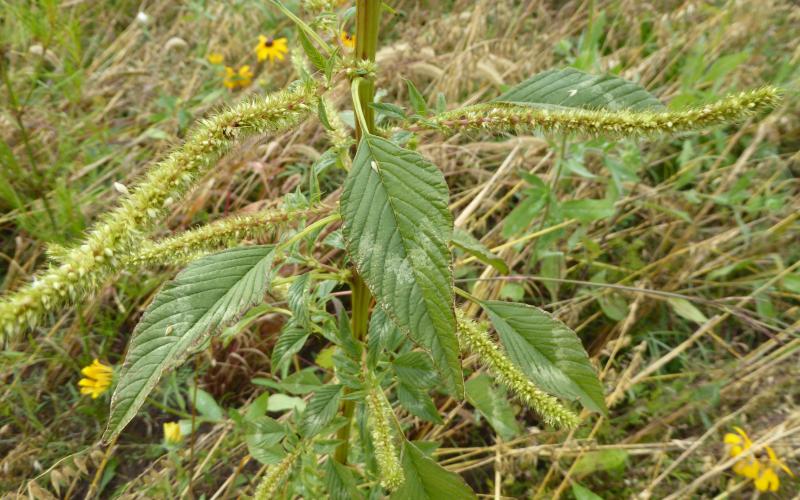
281, 402
573, 88
686, 310
492, 403
397, 227
417, 100
427, 480
600, 461
321, 409
206, 405
389, 110
313, 54
208, 294
583, 493
587, 210
547, 351
468, 243
291, 340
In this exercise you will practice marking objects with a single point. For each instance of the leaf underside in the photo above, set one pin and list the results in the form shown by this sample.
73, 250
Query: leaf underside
572, 88
547, 350
397, 227
210, 292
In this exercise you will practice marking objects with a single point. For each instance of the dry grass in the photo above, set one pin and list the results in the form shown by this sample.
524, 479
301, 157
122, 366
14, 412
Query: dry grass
708, 219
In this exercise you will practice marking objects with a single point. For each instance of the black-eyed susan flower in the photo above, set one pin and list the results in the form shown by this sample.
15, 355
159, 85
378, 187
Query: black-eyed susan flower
96, 379
215, 58
762, 471
271, 48
172, 432
238, 79
348, 39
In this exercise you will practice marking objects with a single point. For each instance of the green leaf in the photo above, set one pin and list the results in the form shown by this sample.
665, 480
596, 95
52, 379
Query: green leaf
547, 351
382, 337
313, 54
417, 100
414, 368
494, 405
291, 340
588, 210
573, 88
340, 483
397, 227
427, 480
418, 403
206, 404
262, 437
468, 243
687, 310
583, 493
321, 409
602, 460
281, 402
208, 294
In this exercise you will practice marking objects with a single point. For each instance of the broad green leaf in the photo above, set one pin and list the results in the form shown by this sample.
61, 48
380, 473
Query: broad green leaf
573, 88
494, 405
547, 351
209, 293
397, 227
588, 210
687, 310
321, 409
468, 243
382, 337
282, 402
427, 480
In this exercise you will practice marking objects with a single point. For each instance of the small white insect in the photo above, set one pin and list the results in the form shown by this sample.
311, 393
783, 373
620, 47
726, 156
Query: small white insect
572, 92
374, 166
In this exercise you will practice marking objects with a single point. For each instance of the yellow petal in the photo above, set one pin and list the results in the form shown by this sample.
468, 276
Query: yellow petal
731, 438
747, 468
767, 481
747, 442
215, 58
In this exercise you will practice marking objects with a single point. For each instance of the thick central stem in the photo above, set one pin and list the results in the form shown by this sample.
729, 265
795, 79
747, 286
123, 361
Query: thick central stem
367, 23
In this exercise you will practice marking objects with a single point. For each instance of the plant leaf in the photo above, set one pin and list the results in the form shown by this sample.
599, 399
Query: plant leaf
397, 227
417, 402
321, 409
427, 480
573, 88
494, 405
209, 293
547, 350
340, 482
468, 243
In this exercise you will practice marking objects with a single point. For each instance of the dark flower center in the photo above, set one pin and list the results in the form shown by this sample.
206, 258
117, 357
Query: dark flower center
268, 42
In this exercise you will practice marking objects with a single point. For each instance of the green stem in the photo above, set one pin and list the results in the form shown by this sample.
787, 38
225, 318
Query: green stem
367, 23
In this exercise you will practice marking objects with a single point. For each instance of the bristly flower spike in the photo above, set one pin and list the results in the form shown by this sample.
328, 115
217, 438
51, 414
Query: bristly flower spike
474, 338
82, 269
380, 412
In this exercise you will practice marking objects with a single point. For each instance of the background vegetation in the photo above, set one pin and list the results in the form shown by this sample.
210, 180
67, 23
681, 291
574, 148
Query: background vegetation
682, 278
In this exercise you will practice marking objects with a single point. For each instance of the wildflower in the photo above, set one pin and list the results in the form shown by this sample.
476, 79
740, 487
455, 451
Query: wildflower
238, 79
172, 432
762, 472
379, 412
347, 39
97, 379
215, 58
272, 48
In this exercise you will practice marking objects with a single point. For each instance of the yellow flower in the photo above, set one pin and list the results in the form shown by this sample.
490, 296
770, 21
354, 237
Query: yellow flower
215, 58
271, 48
762, 472
238, 79
172, 432
347, 39
97, 379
